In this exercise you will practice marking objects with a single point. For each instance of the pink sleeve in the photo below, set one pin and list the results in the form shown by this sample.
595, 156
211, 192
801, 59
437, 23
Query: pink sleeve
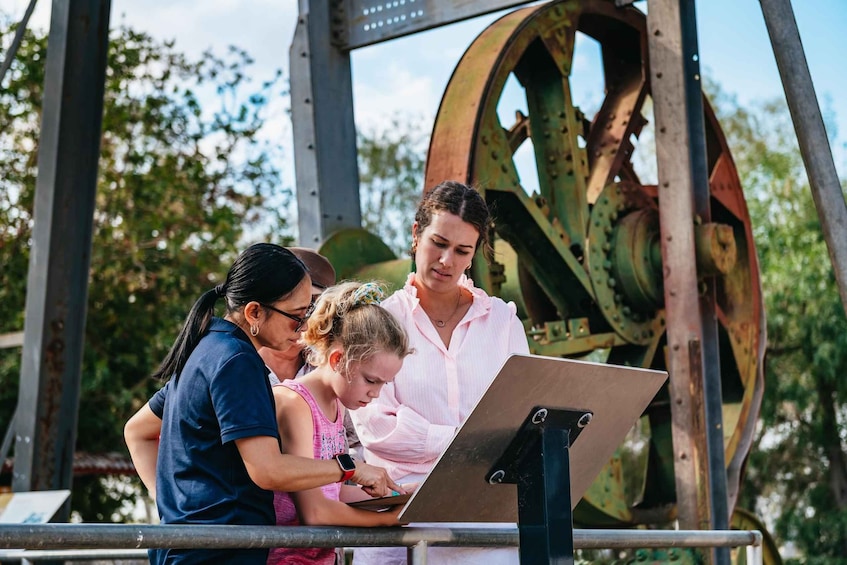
517, 335
398, 433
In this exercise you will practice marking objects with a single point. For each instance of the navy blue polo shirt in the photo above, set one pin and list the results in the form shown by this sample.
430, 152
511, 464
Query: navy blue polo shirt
221, 395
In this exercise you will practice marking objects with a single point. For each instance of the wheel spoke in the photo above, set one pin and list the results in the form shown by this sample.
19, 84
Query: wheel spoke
609, 143
554, 131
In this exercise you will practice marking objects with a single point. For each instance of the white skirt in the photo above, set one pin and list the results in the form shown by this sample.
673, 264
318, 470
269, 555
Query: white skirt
442, 555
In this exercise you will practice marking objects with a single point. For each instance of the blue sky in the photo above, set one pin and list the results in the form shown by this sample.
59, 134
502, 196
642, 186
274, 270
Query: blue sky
408, 75
734, 50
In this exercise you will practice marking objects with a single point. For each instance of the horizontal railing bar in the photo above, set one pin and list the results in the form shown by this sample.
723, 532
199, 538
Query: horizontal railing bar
122, 536
72, 554
631, 539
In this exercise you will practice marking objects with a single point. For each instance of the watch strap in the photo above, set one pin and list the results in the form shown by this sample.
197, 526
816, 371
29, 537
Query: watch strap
347, 465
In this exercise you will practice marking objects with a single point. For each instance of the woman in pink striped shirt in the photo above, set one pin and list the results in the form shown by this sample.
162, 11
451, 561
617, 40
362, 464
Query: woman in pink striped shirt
461, 337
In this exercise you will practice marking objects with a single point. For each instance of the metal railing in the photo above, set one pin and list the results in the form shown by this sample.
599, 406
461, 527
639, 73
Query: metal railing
70, 541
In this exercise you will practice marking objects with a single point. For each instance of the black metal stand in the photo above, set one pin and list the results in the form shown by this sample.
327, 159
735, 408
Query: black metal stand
538, 461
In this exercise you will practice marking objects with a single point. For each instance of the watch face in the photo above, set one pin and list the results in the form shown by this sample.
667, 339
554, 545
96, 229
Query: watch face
345, 462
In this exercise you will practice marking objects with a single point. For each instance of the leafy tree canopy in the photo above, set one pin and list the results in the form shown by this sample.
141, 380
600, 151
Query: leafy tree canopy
797, 472
184, 180
391, 170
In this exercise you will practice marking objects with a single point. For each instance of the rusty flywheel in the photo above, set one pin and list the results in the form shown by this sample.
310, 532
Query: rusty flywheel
581, 255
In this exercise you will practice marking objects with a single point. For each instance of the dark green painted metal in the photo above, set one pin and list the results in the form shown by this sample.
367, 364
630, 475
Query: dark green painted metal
554, 133
609, 504
542, 246
622, 230
572, 308
510, 289
555, 341
659, 486
351, 249
637, 260
393, 273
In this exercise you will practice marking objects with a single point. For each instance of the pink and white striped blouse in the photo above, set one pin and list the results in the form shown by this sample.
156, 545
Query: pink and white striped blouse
414, 418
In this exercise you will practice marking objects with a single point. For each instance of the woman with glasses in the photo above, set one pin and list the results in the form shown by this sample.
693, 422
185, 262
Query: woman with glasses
291, 363
300, 319
218, 457
143, 429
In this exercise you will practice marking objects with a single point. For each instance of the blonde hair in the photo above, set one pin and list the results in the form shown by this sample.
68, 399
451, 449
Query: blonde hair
349, 315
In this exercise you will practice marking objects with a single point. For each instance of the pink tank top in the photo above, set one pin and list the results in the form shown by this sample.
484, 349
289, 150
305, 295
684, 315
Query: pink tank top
329, 440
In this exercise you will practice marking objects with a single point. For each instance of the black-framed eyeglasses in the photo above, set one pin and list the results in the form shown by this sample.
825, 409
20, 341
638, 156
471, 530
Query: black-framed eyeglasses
301, 320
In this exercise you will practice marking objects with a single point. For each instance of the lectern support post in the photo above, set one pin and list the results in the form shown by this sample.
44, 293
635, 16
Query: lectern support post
538, 461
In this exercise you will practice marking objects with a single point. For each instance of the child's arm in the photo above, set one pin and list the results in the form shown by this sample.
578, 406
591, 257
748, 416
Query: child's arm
141, 434
313, 508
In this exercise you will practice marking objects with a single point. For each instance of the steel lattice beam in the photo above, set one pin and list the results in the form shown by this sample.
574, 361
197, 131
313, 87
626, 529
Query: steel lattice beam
57, 284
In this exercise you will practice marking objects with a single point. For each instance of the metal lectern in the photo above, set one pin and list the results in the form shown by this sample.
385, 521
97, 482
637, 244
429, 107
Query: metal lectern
516, 459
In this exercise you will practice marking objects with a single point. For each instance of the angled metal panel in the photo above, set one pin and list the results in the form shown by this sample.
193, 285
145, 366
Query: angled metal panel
357, 23
57, 285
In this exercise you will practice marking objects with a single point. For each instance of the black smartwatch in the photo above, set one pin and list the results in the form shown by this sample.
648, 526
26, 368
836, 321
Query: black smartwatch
348, 466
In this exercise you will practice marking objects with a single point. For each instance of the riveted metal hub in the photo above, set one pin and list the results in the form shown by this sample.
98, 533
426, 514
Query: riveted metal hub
624, 261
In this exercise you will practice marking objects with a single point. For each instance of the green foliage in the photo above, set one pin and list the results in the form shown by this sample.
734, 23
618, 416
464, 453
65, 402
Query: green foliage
184, 180
798, 470
104, 499
391, 167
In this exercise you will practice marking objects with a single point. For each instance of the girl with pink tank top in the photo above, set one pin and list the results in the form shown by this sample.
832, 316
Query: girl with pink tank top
356, 347
328, 440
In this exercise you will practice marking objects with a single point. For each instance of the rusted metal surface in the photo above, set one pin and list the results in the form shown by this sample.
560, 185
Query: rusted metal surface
739, 305
682, 298
715, 247
570, 309
696, 429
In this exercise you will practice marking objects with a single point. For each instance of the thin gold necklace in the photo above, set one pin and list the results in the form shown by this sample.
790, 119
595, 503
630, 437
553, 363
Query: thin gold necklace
442, 323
